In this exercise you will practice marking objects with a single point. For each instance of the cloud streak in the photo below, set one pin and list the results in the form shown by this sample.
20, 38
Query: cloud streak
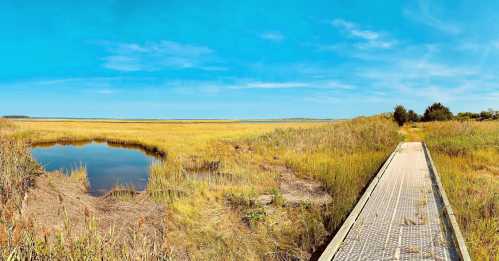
367, 39
325, 84
156, 56
272, 36
87, 85
417, 80
424, 14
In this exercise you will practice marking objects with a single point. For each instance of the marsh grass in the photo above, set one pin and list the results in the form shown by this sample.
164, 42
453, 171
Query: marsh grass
214, 173
6, 126
219, 189
466, 155
80, 175
176, 137
122, 192
17, 170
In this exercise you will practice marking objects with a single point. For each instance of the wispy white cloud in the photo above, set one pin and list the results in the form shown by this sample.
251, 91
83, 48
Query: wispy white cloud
427, 80
334, 84
367, 38
413, 74
425, 13
273, 85
354, 31
272, 36
154, 56
213, 87
313, 84
113, 85
416, 69
348, 99
124, 63
87, 85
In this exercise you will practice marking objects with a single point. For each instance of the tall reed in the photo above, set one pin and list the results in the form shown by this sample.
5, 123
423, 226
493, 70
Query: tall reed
467, 158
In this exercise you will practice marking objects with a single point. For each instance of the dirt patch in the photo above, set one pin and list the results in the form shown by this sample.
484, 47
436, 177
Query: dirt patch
243, 148
296, 191
56, 199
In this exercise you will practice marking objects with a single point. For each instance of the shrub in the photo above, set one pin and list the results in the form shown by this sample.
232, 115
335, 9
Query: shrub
400, 115
467, 115
437, 112
412, 116
487, 115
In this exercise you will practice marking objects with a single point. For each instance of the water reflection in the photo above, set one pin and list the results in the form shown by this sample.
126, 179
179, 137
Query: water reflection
107, 165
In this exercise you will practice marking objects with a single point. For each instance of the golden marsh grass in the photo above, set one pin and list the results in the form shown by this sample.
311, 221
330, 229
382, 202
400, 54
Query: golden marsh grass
215, 174
466, 155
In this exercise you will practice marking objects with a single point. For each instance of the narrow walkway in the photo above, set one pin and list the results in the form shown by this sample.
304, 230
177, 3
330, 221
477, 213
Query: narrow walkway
401, 219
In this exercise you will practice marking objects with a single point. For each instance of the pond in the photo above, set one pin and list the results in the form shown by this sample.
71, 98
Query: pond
107, 165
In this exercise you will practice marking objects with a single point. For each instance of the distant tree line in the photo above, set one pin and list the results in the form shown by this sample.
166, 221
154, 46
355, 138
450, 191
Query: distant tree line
439, 112
15, 117
489, 114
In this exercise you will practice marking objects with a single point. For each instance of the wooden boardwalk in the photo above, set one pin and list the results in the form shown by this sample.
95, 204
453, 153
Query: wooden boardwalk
403, 215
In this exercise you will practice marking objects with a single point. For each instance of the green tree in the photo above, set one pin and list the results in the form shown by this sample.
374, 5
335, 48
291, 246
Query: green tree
412, 116
437, 112
400, 115
486, 115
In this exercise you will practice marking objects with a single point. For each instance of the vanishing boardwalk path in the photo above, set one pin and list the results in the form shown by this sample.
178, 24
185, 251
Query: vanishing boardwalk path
403, 215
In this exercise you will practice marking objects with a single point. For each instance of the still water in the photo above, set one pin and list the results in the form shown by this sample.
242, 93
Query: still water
107, 165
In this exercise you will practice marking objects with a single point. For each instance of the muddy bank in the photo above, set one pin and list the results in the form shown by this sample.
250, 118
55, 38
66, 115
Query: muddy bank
57, 201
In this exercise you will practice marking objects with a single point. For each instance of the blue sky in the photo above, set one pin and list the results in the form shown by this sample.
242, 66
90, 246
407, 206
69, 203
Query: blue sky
251, 59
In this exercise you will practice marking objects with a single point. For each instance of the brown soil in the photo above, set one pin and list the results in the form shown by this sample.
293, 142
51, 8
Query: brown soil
55, 198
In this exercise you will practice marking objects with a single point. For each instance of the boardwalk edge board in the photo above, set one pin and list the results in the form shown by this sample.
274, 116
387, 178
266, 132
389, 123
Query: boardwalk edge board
335, 243
448, 213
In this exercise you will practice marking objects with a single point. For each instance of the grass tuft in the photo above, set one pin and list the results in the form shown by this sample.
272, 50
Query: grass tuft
80, 175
